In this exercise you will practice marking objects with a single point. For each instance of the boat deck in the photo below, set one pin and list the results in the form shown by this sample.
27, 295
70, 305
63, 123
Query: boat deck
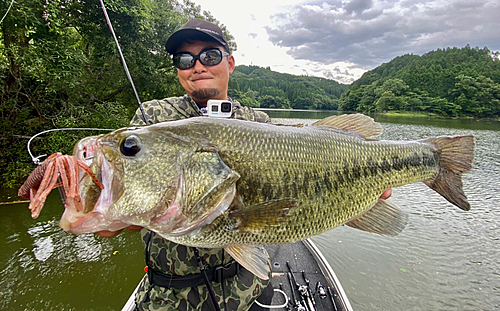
304, 256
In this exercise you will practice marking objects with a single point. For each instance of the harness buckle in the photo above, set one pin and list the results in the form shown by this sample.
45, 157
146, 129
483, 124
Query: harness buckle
232, 268
219, 274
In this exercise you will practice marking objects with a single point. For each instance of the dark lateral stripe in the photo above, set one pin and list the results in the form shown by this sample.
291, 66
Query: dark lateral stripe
315, 183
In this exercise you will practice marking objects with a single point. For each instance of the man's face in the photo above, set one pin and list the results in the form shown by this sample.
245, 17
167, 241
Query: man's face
205, 82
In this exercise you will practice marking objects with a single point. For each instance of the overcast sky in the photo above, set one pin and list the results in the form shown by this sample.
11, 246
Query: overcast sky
341, 40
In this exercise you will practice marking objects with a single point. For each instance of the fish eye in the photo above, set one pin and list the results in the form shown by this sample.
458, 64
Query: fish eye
130, 146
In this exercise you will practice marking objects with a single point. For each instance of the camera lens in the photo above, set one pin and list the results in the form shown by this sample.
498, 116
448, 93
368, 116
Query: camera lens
225, 107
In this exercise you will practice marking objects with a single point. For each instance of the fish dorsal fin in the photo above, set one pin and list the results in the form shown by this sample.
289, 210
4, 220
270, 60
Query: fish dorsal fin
383, 218
359, 123
254, 258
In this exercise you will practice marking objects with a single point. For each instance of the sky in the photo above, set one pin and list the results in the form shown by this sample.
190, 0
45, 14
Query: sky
341, 40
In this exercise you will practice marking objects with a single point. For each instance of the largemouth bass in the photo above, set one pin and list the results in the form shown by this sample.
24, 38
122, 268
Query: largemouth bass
240, 185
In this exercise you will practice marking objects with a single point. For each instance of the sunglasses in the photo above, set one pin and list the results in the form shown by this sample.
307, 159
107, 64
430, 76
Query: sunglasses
209, 57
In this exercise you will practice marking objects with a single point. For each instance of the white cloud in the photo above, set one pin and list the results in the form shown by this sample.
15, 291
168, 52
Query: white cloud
340, 40
368, 32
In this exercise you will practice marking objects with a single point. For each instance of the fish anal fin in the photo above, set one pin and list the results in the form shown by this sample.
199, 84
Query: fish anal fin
263, 215
254, 258
383, 218
456, 157
359, 123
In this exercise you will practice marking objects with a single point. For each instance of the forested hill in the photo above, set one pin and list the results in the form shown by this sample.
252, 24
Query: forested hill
450, 82
261, 87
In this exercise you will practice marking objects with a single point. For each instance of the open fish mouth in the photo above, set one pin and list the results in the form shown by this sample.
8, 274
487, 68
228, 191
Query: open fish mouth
96, 201
107, 209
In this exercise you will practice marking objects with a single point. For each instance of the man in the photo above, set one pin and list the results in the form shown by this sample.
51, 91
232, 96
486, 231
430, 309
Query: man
204, 62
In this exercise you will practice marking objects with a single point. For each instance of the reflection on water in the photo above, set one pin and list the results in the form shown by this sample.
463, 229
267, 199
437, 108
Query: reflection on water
44, 268
445, 259
49, 239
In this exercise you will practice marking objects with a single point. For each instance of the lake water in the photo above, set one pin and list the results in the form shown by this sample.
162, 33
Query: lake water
445, 259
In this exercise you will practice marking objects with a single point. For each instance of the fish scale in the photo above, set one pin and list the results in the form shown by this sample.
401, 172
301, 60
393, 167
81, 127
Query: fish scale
335, 176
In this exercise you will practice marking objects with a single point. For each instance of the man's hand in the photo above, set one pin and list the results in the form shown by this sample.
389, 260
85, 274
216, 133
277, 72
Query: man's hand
109, 234
387, 194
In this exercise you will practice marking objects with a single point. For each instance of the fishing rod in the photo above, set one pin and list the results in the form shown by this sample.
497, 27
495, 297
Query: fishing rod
123, 61
308, 292
297, 305
287, 305
7, 12
297, 287
36, 160
332, 298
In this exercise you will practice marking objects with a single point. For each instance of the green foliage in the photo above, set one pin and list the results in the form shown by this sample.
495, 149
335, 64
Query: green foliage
450, 82
261, 87
59, 67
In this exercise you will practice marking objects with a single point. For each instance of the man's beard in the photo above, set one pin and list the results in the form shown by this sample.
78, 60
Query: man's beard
205, 94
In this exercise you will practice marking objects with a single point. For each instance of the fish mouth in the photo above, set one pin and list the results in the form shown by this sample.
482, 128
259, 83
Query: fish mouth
172, 214
169, 217
96, 202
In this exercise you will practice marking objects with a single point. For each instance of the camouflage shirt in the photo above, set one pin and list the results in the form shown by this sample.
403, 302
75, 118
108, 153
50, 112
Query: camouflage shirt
241, 290
176, 108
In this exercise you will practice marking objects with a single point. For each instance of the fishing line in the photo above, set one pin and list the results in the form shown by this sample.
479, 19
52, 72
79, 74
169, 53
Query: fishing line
36, 160
123, 61
11, 3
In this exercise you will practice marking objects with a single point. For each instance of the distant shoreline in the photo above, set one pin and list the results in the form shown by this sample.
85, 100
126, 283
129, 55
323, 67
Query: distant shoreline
388, 113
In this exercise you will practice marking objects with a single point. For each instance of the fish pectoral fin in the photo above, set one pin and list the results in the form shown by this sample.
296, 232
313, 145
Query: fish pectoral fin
263, 215
254, 258
358, 123
383, 218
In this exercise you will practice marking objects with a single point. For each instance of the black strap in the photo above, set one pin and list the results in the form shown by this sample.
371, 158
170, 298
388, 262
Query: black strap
205, 277
216, 274
211, 293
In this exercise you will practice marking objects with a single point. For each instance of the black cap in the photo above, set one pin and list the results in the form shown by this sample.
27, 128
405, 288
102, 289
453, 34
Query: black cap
194, 28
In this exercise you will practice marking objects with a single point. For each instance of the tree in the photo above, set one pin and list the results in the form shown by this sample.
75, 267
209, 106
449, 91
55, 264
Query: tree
449, 82
59, 66
478, 95
279, 90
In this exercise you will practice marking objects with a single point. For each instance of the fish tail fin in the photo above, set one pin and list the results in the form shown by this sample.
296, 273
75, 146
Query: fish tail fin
457, 154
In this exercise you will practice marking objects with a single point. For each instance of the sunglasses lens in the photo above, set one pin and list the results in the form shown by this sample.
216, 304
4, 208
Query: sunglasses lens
183, 61
210, 57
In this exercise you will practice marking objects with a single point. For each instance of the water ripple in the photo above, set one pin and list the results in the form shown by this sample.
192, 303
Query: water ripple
446, 258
